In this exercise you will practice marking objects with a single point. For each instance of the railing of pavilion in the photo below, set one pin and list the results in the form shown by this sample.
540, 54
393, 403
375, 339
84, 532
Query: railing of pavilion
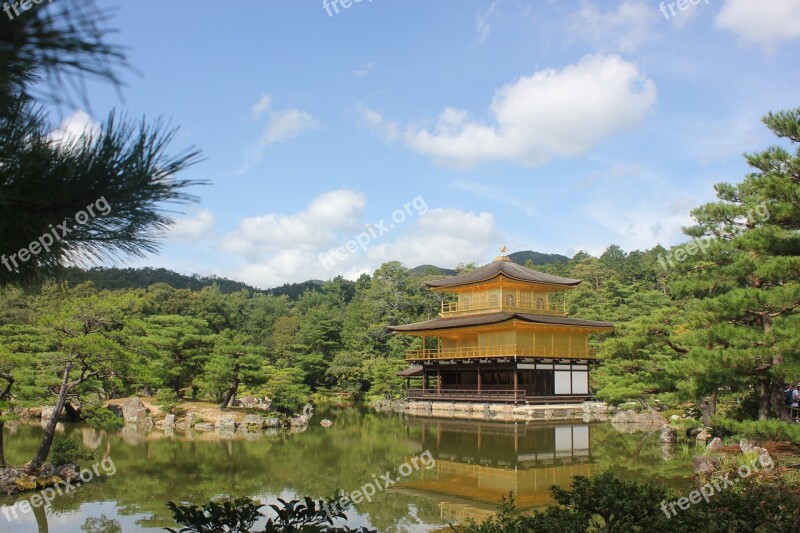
483, 305
507, 350
467, 394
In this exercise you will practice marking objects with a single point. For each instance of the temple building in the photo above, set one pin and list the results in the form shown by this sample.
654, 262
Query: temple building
502, 340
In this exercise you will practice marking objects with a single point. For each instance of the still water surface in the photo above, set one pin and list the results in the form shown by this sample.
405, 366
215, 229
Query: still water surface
475, 464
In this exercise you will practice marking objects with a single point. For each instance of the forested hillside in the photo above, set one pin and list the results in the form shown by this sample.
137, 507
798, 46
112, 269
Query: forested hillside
711, 322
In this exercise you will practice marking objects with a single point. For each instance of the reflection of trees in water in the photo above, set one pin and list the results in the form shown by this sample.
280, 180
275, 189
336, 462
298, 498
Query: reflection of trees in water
317, 462
101, 524
41, 518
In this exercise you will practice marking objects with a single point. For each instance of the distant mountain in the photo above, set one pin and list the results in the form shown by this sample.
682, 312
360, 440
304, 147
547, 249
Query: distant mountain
295, 290
537, 258
518, 257
139, 278
427, 270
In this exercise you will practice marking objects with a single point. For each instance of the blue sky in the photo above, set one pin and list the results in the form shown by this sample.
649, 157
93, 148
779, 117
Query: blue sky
463, 125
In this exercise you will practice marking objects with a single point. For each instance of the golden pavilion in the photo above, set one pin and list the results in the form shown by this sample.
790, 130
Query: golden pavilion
502, 339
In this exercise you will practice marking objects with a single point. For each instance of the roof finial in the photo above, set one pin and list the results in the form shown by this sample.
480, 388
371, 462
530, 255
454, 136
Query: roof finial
503, 256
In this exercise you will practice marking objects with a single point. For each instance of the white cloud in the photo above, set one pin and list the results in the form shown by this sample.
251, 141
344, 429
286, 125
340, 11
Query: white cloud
762, 22
281, 125
296, 247
635, 208
623, 29
310, 229
377, 124
364, 71
482, 23
553, 113
193, 228
443, 237
74, 126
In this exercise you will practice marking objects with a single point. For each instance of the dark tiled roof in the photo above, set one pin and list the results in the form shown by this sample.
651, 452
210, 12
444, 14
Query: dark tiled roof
496, 318
413, 370
507, 268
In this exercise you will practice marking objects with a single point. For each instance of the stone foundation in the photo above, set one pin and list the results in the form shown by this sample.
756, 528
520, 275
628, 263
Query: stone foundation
586, 411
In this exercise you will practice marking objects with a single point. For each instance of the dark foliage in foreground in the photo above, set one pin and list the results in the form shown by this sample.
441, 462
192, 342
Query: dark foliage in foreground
240, 515
608, 504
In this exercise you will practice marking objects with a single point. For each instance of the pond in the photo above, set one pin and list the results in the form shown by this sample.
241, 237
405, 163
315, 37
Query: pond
441, 470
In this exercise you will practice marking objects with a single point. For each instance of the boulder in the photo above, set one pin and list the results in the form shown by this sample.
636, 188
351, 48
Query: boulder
643, 419
760, 452
714, 445
675, 417
703, 435
704, 464
192, 418
226, 423
67, 472
248, 401
47, 412
169, 421
251, 424
204, 426
747, 445
298, 421
272, 423
326, 423
134, 411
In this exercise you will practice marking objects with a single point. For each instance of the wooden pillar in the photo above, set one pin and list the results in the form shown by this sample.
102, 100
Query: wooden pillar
516, 381
424, 380
438, 379
479, 379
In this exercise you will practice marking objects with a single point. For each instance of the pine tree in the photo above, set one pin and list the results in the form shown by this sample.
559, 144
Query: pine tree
98, 196
740, 273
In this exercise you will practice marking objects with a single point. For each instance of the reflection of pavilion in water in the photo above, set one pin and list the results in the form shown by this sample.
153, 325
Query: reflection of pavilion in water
479, 463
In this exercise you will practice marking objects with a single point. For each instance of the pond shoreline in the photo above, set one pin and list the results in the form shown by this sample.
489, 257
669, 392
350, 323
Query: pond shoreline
499, 412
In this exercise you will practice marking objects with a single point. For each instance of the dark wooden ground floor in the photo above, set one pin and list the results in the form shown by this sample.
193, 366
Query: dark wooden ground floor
518, 381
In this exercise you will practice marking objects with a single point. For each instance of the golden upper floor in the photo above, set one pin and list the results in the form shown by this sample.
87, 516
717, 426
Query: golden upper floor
502, 286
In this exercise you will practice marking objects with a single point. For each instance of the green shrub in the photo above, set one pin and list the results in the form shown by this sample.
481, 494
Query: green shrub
168, 400
70, 451
99, 417
606, 503
763, 430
